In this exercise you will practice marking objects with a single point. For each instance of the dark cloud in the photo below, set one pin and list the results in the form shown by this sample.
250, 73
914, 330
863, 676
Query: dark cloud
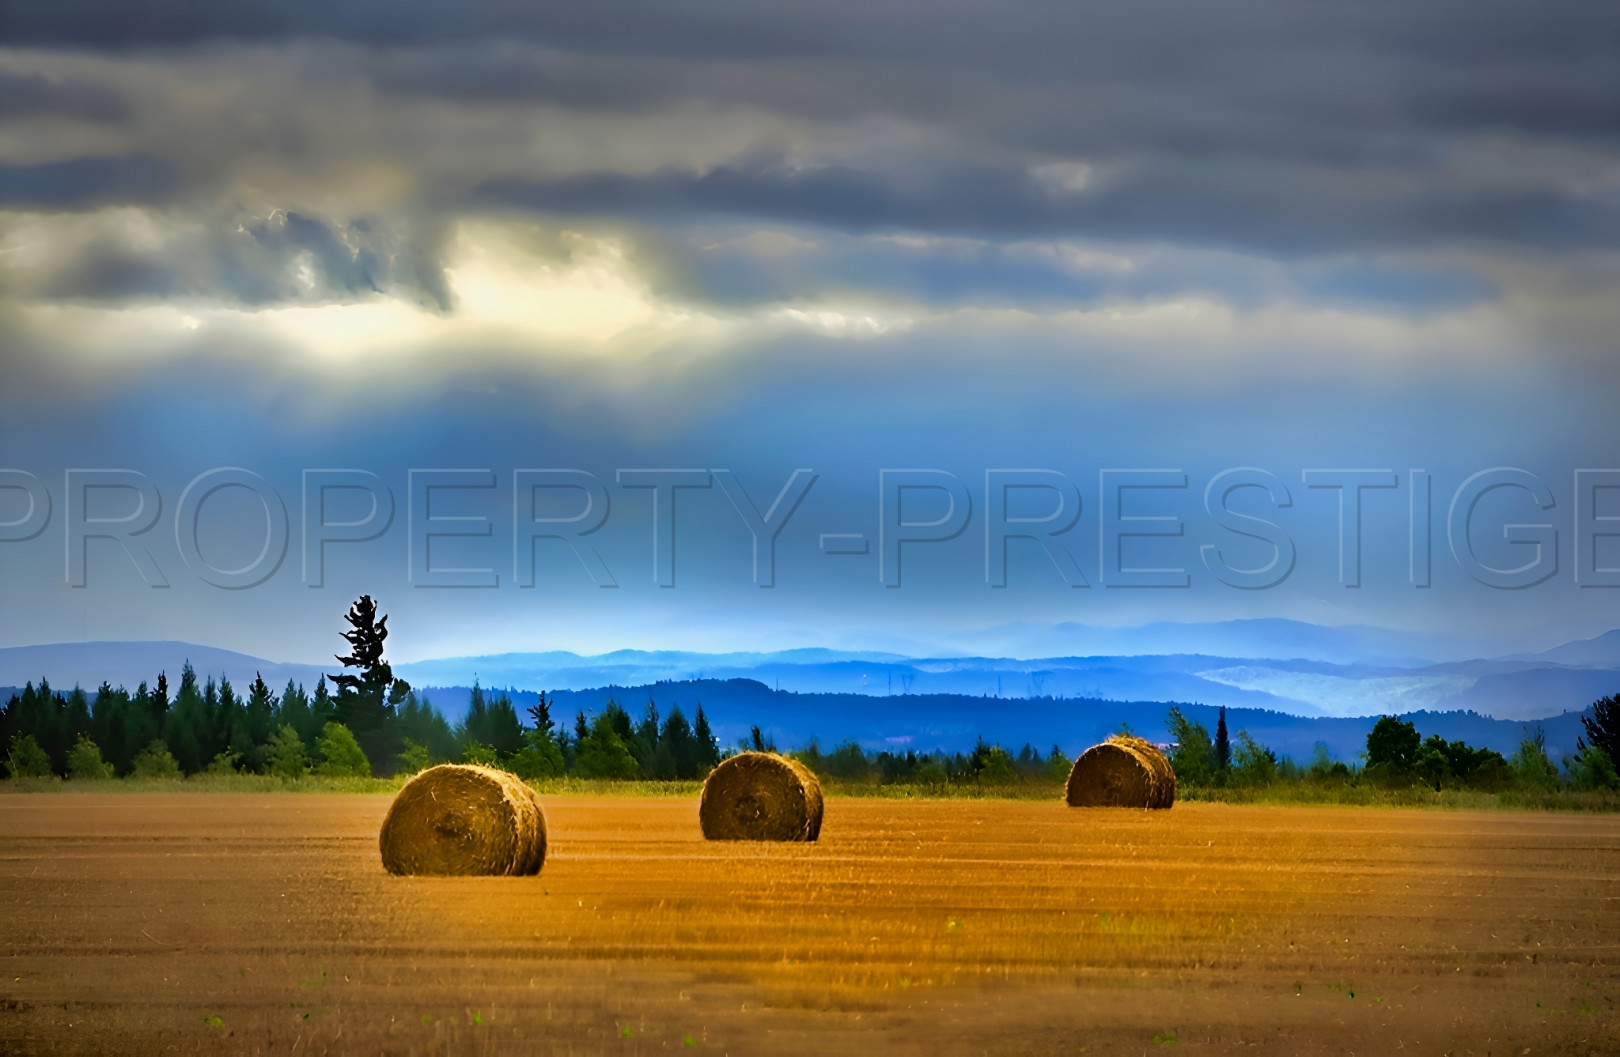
26, 95
109, 272
87, 183
1351, 127
1274, 211
288, 258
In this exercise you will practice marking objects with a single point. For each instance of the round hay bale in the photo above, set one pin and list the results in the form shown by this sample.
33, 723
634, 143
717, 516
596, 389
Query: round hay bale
761, 796
1123, 771
461, 819
1163, 772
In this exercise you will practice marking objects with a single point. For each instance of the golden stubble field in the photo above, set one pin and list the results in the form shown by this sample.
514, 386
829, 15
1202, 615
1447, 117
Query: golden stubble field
191, 922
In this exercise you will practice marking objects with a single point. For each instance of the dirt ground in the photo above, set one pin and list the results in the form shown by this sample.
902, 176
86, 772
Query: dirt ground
187, 922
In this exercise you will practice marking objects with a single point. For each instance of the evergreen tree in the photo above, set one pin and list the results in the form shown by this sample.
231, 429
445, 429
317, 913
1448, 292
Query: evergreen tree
492, 723
117, 725
233, 734
643, 741
322, 710
76, 724
186, 727
160, 697
540, 716
420, 724
138, 730
293, 710
681, 746
260, 713
1223, 745
707, 752
1603, 727
367, 701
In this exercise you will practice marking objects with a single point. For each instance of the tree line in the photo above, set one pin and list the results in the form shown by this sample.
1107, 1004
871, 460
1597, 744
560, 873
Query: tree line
374, 724
1397, 755
210, 727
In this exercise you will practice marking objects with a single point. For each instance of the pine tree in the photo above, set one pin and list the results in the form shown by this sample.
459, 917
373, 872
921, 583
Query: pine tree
322, 710
293, 711
707, 752
643, 742
540, 716
186, 726
418, 723
1223, 745
492, 723
260, 715
233, 734
681, 745
1603, 727
367, 701
114, 717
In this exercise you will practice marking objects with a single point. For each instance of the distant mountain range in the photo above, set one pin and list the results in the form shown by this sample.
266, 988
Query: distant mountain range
1326, 674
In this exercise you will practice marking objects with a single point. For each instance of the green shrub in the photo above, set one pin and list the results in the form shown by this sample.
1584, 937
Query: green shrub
997, 767
603, 753
85, 762
476, 752
1058, 765
1532, 767
155, 761
223, 763
285, 756
414, 757
539, 757
27, 759
341, 756
1591, 768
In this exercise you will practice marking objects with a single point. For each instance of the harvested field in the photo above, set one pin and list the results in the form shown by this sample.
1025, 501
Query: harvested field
187, 922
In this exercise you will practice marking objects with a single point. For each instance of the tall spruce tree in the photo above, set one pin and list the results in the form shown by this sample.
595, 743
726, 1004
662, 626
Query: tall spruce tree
540, 716
186, 726
707, 752
366, 701
1223, 745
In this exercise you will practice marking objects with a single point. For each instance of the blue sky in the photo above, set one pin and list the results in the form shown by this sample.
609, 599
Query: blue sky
846, 239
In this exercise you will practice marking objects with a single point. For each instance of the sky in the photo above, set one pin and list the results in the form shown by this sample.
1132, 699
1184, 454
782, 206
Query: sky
845, 266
